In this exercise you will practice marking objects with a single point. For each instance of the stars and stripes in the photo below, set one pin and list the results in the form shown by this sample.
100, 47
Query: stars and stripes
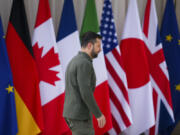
119, 102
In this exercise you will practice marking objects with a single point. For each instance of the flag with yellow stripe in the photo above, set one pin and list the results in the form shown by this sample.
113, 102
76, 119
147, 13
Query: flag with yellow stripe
25, 75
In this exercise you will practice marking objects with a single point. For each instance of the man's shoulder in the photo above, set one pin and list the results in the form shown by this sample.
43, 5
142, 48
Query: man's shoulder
80, 60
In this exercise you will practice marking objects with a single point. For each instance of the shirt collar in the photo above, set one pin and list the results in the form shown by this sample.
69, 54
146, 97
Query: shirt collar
85, 55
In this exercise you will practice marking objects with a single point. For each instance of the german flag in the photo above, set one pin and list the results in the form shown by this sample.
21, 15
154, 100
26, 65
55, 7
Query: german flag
25, 75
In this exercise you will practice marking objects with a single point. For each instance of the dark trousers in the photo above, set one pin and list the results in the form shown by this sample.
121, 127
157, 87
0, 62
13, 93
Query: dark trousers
80, 127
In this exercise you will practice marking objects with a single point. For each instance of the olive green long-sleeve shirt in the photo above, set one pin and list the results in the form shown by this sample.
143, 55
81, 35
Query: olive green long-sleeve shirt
80, 84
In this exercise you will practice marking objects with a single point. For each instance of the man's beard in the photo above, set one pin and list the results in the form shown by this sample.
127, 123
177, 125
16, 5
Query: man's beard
94, 54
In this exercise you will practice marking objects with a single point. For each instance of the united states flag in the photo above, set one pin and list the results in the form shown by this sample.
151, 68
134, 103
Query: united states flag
119, 101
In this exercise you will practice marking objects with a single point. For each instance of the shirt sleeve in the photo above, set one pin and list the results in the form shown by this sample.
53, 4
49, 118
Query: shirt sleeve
84, 73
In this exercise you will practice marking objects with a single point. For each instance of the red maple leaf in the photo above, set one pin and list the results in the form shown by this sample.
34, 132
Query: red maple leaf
49, 60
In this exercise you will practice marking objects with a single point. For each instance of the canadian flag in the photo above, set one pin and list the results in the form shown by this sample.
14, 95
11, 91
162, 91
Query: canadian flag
137, 72
50, 73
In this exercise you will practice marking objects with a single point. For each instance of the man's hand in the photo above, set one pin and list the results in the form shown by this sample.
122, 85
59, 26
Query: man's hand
101, 121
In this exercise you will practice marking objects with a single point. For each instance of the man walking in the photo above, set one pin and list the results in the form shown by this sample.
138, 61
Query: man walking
80, 84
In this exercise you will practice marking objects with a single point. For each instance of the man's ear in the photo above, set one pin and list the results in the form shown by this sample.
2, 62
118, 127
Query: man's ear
89, 45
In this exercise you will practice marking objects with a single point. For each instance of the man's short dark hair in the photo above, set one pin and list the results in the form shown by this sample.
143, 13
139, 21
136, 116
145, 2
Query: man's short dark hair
89, 37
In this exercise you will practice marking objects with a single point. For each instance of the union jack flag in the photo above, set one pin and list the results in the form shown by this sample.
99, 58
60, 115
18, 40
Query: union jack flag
157, 65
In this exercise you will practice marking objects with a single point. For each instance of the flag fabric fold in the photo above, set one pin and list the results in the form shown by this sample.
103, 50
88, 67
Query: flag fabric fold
90, 23
119, 100
137, 72
171, 41
25, 75
49, 70
8, 120
68, 36
68, 43
157, 65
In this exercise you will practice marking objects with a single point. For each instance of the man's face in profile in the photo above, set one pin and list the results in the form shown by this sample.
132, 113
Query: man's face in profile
96, 48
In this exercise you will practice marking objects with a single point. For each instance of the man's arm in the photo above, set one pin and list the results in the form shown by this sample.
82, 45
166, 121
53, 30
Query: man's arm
84, 73
84, 81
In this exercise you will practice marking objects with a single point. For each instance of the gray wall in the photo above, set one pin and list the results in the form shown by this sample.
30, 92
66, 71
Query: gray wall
119, 9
